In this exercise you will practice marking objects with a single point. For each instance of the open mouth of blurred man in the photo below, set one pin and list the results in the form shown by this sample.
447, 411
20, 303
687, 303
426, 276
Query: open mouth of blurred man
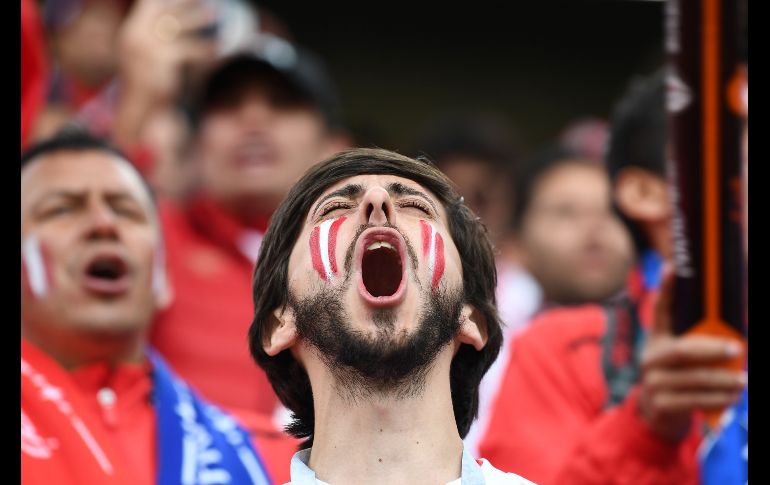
106, 274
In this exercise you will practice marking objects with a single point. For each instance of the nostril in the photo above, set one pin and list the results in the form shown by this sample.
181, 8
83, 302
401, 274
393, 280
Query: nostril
378, 211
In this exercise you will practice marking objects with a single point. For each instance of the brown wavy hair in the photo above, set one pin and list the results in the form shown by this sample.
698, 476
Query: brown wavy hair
271, 290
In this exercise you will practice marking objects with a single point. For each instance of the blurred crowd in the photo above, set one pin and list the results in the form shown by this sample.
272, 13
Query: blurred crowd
221, 111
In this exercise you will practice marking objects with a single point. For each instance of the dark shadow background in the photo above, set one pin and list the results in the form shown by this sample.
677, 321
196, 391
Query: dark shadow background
399, 64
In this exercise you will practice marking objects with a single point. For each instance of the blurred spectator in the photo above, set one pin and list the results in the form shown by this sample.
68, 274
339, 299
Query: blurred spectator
166, 141
83, 43
261, 117
576, 247
600, 394
97, 405
34, 68
479, 153
120, 64
586, 137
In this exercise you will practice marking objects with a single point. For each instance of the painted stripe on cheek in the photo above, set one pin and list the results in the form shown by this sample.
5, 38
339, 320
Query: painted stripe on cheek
333, 243
324, 248
159, 270
426, 231
433, 250
323, 243
315, 252
36, 266
438, 268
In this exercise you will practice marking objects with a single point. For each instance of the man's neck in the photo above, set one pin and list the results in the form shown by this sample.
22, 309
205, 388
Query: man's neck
659, 235
253, 212
386, 439
72, 351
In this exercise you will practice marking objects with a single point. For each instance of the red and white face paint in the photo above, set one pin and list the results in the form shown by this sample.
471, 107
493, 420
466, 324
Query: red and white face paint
323, 244
159, 281
433, 250
36, 266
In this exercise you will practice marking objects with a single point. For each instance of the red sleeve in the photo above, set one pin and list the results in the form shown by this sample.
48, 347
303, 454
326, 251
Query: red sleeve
33, 67
549, 422
619, 447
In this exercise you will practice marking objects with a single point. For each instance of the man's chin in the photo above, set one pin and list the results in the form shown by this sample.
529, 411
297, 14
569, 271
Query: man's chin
109, 325
378, 351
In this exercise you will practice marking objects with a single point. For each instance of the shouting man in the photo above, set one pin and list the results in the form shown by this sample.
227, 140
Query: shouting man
375, 319
97, 406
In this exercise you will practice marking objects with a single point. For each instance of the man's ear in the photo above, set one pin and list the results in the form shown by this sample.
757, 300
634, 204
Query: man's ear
473, 328
642, 195
283, 333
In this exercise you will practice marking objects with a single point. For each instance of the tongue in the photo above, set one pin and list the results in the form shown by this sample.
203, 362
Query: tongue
381, 271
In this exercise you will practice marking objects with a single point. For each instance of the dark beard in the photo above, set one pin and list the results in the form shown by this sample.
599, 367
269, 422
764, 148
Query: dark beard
386, 364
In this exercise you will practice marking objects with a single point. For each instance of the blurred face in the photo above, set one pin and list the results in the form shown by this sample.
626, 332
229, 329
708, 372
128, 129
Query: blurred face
375, 279
484, 191
254, 146
577, 248
88, 239
87, 45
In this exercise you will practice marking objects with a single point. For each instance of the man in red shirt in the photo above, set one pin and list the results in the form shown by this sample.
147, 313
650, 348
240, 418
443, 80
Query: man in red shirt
98, 406
598, 395
261, 118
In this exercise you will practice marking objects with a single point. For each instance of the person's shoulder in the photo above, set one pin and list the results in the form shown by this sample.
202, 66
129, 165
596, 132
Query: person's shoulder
566, 323
493, 476
172, 212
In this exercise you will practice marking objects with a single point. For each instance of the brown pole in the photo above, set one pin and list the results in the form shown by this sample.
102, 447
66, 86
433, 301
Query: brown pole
704, 167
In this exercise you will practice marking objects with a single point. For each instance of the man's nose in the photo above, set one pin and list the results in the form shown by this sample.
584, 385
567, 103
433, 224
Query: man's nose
255, 112
377, 207
102, 222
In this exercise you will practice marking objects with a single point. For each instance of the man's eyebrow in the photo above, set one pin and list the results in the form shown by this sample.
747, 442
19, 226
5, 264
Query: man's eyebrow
401, 189
58, 194
120, 196
80, 195
349, 191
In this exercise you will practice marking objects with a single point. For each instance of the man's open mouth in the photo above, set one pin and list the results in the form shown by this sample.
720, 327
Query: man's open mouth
381, 256
107, 274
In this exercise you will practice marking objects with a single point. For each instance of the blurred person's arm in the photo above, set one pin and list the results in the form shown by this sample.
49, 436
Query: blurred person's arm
157, 40
551, 424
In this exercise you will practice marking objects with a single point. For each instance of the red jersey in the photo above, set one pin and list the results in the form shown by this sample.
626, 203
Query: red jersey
552, 421
98, 424
94, 424
204, 333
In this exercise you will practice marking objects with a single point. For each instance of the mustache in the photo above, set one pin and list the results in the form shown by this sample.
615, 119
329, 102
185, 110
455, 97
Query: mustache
349, 253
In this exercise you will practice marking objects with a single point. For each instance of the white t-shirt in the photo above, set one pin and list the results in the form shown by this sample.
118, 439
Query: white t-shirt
474, 472
493, 476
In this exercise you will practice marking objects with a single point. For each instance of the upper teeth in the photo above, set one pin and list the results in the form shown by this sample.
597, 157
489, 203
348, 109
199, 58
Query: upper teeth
380, 244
